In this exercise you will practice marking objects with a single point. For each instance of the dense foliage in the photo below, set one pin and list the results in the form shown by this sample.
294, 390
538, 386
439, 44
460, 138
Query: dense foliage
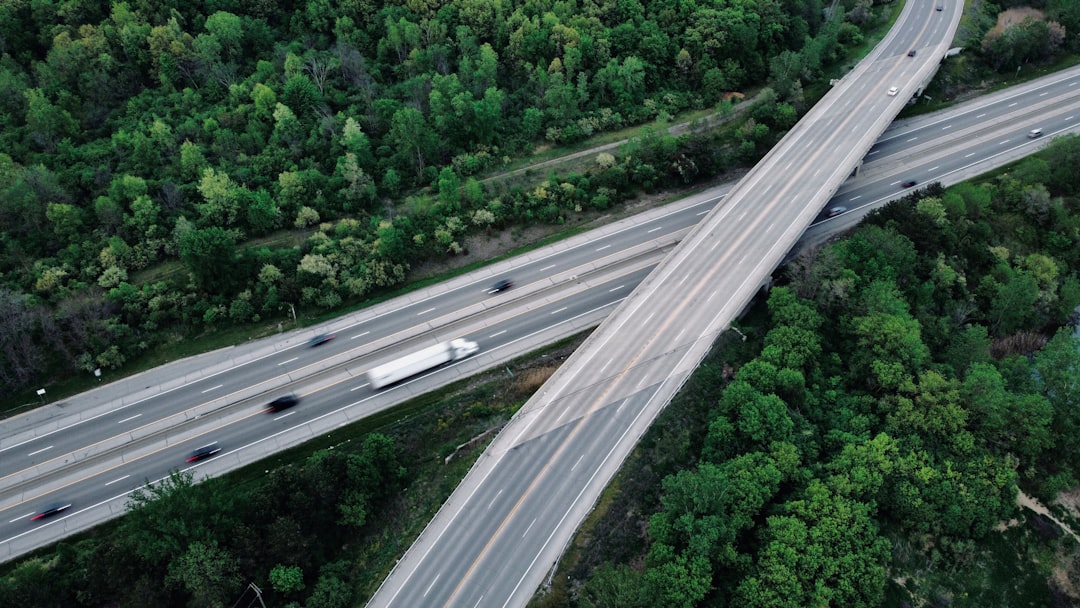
939, 384
147, 144
200, 545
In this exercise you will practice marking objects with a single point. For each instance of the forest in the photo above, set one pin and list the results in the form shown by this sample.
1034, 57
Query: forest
909, 379
157, 158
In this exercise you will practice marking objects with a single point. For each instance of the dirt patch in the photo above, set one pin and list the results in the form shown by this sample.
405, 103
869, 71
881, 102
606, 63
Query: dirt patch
1014, 16
1070, 501
1030, 503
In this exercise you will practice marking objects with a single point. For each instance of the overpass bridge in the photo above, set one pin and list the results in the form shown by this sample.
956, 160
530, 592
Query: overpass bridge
494, 540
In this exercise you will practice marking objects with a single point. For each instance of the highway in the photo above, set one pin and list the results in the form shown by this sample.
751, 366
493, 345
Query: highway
507, 523
130, 436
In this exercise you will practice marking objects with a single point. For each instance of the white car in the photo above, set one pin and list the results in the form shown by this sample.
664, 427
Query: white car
893, 91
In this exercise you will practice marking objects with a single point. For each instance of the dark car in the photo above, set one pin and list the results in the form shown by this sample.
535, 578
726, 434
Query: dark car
940, 7
320, 339
282, 403
911, 53
53, 509
502, 285
908, 183
204, 452
835, 211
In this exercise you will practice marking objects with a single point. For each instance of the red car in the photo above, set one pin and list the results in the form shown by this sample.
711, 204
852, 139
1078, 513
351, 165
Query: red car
53, 509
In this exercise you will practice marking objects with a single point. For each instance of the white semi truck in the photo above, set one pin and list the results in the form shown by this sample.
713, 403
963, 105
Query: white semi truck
422, 360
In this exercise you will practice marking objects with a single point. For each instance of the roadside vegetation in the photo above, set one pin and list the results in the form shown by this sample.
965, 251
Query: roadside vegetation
171, 170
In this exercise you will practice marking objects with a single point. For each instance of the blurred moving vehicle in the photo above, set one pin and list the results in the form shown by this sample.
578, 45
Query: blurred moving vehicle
1034, 133
52, 509
204, 452
835, 211
911, 53
502, 285
320, 339
420, 361
908, 183
893, 91
282, 403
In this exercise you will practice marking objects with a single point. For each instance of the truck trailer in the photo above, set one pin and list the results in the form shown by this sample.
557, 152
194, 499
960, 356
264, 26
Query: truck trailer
422, 360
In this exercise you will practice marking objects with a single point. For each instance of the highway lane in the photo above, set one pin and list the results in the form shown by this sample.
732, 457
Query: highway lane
345, 390
477, 286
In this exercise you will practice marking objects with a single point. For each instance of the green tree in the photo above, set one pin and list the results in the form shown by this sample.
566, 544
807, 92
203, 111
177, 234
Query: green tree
208, 572
824, 550
47, 124
210, 257
449, 188
286, 579
66, 219
413, 140
1058, 367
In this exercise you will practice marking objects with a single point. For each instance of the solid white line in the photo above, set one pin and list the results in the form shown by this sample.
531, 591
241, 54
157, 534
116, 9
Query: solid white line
360, 335
289, 361
40, 451
213, 388
128, 418
116, 480
498, 333
526, 533
432, 584
424, 312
